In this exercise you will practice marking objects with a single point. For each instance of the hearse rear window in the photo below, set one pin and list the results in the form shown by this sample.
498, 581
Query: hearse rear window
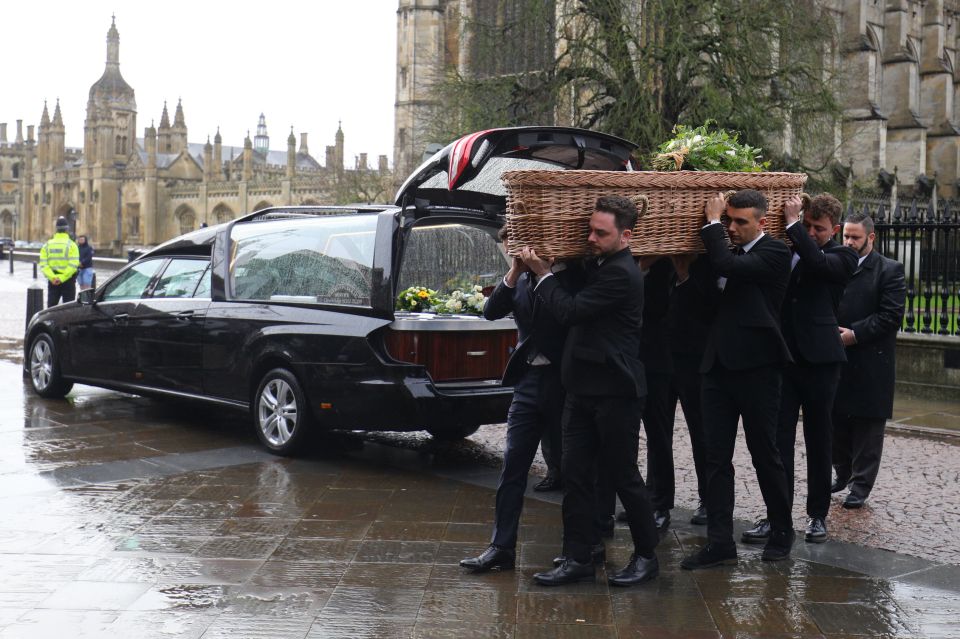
447, 257
323, 261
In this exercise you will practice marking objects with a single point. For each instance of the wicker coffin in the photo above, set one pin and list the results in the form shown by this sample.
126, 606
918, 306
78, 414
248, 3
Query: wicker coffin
550, 210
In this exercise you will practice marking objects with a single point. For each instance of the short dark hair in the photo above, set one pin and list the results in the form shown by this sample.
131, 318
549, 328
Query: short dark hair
623, 210
503, 233
825, 205
749, 199
860, 218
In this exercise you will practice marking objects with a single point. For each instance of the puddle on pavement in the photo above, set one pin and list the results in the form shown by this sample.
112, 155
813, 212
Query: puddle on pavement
340, 544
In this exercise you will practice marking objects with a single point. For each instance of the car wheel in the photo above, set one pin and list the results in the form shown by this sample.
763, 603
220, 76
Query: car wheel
454, 432
45, 369
280, 413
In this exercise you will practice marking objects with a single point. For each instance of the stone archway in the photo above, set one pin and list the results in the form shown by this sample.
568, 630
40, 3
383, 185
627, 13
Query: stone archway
6, 223
222, 213
186, 219
69, 211
263, 204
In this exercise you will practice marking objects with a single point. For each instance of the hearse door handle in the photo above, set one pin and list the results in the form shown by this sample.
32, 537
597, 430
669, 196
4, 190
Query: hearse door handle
185, 315
476, 353
120, 318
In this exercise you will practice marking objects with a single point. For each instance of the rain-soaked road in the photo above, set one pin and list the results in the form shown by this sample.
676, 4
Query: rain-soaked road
136, 518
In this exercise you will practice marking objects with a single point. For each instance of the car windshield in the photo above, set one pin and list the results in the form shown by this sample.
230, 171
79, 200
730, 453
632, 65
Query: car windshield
447, 257
324, 260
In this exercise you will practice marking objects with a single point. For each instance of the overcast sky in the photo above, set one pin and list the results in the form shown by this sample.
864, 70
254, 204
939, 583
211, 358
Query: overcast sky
306, 64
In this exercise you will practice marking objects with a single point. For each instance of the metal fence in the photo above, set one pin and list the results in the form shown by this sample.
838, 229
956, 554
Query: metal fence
923, 235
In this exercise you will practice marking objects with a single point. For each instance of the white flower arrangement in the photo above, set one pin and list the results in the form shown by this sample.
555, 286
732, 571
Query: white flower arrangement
470, 301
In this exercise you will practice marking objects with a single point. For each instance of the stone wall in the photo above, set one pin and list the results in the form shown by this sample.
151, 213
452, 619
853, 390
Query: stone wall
928, 366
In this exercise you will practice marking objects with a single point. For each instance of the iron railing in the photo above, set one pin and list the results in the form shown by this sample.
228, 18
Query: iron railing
923, 235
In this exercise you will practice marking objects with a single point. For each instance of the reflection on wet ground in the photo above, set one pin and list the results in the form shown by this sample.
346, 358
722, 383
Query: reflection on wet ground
129, 517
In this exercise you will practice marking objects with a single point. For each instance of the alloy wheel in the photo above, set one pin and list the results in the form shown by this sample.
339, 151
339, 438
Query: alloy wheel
277, 412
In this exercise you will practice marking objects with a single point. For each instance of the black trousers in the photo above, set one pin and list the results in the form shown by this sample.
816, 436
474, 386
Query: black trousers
812, 387
536, 407
663, 392
857, 449
753, 395
551, 443
603, 431
66, 291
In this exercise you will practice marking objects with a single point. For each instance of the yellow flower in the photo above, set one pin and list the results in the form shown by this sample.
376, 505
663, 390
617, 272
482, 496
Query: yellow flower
423, 294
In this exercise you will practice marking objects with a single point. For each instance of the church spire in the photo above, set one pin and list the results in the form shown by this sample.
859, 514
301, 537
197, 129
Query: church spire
57, 117
262, 141
178, 116
113, 44
45, 118
164, 117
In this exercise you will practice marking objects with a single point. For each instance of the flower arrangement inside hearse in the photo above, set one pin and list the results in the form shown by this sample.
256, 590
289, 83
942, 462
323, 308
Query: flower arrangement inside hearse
469, 300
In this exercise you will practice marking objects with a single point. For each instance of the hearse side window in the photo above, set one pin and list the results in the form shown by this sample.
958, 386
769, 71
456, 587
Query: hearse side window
452, 256
132, 283
322, 260
180, 278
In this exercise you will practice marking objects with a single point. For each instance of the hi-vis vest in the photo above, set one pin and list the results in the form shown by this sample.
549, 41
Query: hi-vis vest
60, 257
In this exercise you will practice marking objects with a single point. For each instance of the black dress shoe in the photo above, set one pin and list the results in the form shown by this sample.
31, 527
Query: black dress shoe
661, 519
548, 484
569, 572
778, 546
598, 554
837, 485
853, 501
493, 558
759, 534
699, 515
709, 556
816, 532
638, 570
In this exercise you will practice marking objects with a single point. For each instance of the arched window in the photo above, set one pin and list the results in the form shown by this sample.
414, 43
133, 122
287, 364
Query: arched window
874, 69
222, 213
186, 218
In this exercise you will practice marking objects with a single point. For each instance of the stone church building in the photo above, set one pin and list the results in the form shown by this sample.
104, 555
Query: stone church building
123, 190
898, 59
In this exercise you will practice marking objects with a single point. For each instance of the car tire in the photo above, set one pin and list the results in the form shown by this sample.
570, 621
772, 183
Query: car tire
45, 375
453, 433
281, 417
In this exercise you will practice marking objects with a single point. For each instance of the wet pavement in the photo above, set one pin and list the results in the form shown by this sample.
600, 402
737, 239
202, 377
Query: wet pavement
130, 517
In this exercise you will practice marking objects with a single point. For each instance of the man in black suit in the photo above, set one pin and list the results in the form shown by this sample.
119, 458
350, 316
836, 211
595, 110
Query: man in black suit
742, 363
534, 372
604, 380
679, 296
690, 312
870, 314
820, 269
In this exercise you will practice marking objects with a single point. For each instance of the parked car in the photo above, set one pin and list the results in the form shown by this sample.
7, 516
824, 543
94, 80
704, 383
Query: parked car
289, 312
6, 244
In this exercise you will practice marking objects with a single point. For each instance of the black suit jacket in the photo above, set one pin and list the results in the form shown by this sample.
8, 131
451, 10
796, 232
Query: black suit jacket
538, 330
654, 348
691, 311
602, 353
745, 333
809, 313
872, 305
